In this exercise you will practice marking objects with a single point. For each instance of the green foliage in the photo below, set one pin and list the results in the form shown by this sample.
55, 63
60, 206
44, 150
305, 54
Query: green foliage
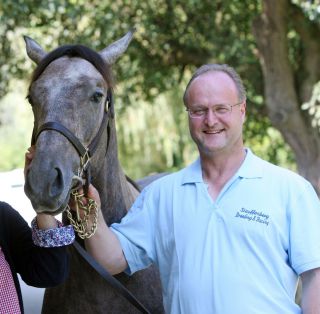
313, 106
310, 7
172, 39
155, 138
14, 137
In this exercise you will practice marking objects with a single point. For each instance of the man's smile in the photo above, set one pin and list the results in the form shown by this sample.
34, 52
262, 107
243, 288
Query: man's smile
213, 131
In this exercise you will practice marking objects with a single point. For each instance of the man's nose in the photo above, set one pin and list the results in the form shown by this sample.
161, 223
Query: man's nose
210, 118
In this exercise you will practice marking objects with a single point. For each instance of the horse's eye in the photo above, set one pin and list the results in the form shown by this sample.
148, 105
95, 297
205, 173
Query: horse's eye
96, 97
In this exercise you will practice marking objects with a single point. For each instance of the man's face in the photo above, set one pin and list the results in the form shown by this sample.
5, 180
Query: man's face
215, 133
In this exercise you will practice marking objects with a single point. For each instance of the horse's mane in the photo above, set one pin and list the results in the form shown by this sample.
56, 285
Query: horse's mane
76, 51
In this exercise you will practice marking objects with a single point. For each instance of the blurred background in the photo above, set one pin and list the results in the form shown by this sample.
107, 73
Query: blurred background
273, 44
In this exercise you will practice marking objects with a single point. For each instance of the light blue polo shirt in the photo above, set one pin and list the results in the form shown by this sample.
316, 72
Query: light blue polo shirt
239, 254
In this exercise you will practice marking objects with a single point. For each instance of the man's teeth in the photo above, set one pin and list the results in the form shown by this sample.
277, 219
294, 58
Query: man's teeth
214, 131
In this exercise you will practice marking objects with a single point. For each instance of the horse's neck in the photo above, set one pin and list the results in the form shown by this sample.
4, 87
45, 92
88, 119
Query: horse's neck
116, 193
129, 191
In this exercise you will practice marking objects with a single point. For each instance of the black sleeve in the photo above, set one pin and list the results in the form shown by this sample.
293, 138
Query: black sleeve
37, 266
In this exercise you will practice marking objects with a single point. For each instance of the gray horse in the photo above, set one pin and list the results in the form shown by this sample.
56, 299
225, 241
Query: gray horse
70, 87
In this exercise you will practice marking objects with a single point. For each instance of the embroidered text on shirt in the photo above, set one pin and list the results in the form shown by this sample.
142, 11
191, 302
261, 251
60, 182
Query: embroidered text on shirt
253, 215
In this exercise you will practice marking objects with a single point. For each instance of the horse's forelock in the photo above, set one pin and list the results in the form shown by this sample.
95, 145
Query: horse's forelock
76, 51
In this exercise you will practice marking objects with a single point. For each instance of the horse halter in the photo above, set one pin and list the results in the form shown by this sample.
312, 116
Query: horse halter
84, 171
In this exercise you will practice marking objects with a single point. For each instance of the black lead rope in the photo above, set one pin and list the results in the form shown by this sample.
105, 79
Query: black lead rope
111, 280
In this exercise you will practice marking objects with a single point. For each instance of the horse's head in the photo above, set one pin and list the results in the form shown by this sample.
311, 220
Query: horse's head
70, 94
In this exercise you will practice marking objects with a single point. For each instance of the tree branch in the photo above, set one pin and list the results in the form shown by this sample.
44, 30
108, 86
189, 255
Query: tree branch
310, 66
282, 99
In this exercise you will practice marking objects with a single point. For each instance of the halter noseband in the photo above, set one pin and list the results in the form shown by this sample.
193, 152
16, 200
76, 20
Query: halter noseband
85, 154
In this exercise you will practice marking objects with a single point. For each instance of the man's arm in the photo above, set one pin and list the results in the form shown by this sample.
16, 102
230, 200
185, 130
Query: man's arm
104, 245
310, 302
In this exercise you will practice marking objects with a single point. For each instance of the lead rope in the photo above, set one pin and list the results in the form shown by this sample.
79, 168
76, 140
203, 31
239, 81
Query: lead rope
85, 207
89, 209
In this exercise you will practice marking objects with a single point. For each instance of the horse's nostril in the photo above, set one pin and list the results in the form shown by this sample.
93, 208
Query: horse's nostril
56, 183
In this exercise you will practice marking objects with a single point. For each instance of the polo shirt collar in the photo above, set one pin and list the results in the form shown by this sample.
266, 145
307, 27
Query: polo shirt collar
193, 173
250, 168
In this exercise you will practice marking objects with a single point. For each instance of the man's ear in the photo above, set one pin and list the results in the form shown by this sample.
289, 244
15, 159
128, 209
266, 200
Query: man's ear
243, 107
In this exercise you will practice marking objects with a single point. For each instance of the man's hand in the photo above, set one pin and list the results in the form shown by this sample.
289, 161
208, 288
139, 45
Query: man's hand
92, 194
87, 213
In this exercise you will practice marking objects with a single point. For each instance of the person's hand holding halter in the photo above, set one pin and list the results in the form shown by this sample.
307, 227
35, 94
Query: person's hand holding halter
85, 210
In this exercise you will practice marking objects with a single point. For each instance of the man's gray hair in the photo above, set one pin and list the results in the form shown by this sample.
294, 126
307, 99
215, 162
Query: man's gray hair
219, 68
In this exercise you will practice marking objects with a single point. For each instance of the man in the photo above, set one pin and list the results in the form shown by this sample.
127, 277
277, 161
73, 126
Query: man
230, 233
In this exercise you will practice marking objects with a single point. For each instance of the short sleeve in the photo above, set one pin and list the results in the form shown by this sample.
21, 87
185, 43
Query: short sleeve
304, 251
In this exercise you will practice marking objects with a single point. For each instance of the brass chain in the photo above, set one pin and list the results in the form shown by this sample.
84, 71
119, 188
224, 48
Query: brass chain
80, 224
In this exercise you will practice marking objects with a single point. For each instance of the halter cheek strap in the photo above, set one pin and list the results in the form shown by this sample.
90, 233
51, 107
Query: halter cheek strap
85, 154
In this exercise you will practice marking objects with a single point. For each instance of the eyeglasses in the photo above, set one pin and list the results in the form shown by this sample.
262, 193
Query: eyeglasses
219, 111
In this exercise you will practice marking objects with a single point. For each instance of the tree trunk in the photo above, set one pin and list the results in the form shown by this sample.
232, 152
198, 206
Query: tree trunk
286, 87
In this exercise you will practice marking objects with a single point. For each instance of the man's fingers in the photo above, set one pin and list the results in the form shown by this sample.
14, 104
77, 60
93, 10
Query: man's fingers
77, 208
94, 194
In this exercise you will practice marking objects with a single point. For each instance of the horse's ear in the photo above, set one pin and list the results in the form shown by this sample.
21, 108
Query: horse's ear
34, 50
111, 53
